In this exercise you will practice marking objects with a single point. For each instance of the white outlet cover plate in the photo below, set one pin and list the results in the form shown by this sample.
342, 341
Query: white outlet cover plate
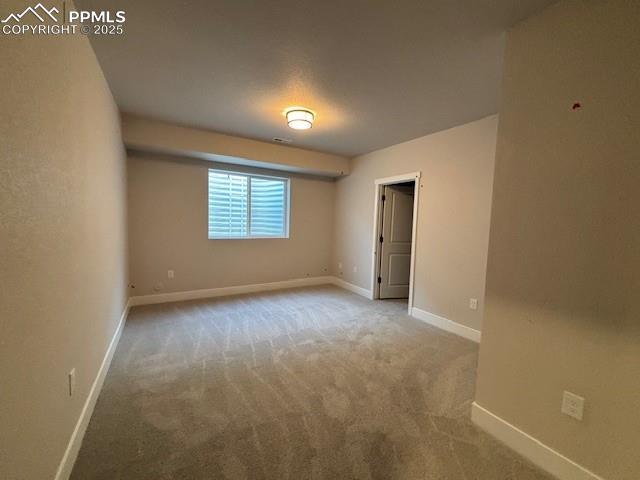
572, 405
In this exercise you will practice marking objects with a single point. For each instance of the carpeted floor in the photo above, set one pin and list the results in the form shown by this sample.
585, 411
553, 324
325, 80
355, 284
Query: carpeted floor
313, 383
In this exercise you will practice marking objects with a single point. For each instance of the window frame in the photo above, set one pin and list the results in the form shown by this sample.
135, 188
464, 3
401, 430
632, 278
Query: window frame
249, 176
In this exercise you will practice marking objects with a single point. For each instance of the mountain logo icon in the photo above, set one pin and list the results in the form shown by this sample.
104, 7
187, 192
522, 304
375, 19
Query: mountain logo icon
39, 11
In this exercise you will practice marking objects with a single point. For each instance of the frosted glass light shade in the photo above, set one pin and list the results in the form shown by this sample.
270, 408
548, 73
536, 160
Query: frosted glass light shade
300, 119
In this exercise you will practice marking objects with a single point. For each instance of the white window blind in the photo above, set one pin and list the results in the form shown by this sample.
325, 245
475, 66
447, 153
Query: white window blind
247, 206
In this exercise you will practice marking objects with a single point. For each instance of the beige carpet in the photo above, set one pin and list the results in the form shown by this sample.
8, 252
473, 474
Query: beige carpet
313, 383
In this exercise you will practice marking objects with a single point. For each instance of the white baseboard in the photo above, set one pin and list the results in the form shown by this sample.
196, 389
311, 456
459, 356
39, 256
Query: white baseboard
446, 324
240, 289
351, 287
225, 291
529, 447
73, 447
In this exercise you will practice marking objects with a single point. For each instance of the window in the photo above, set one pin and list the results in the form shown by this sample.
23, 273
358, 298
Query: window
247, 206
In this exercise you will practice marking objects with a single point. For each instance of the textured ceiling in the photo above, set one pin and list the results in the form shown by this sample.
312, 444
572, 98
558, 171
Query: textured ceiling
376, 72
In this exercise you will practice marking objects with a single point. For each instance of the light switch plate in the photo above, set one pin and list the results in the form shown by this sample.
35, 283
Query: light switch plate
72, 382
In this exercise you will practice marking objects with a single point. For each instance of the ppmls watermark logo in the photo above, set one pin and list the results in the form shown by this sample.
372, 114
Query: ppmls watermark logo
40, 20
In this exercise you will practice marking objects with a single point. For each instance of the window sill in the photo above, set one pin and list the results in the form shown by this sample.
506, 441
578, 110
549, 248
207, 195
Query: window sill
249, 238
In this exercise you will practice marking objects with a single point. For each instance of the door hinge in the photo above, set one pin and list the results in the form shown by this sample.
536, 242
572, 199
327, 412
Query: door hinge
384, 197
381, 239
379, 279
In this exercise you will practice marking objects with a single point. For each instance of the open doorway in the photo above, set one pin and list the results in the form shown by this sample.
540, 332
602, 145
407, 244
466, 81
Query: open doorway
395, 219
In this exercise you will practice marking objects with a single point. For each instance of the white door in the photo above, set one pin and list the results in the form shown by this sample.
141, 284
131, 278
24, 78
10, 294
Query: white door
395, 252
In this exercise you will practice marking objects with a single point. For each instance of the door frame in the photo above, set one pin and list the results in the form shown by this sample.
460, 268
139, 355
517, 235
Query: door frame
379, 184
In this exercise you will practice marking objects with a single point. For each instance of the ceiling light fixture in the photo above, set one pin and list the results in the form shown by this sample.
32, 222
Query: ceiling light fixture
300, 118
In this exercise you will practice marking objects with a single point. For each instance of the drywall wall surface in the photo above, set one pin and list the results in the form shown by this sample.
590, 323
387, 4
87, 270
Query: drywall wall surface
564, 257
453, 218
62, 241
168, 207
160, 137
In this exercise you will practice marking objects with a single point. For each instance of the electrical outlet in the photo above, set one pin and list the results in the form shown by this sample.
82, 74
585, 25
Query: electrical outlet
72, 382
473, 303
339, 265
355, 269
170, 273
572, 405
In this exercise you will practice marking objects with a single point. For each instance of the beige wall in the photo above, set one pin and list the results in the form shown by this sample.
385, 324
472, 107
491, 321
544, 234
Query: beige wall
168, 230
152, 135
562, 309
62, 240
453, 220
